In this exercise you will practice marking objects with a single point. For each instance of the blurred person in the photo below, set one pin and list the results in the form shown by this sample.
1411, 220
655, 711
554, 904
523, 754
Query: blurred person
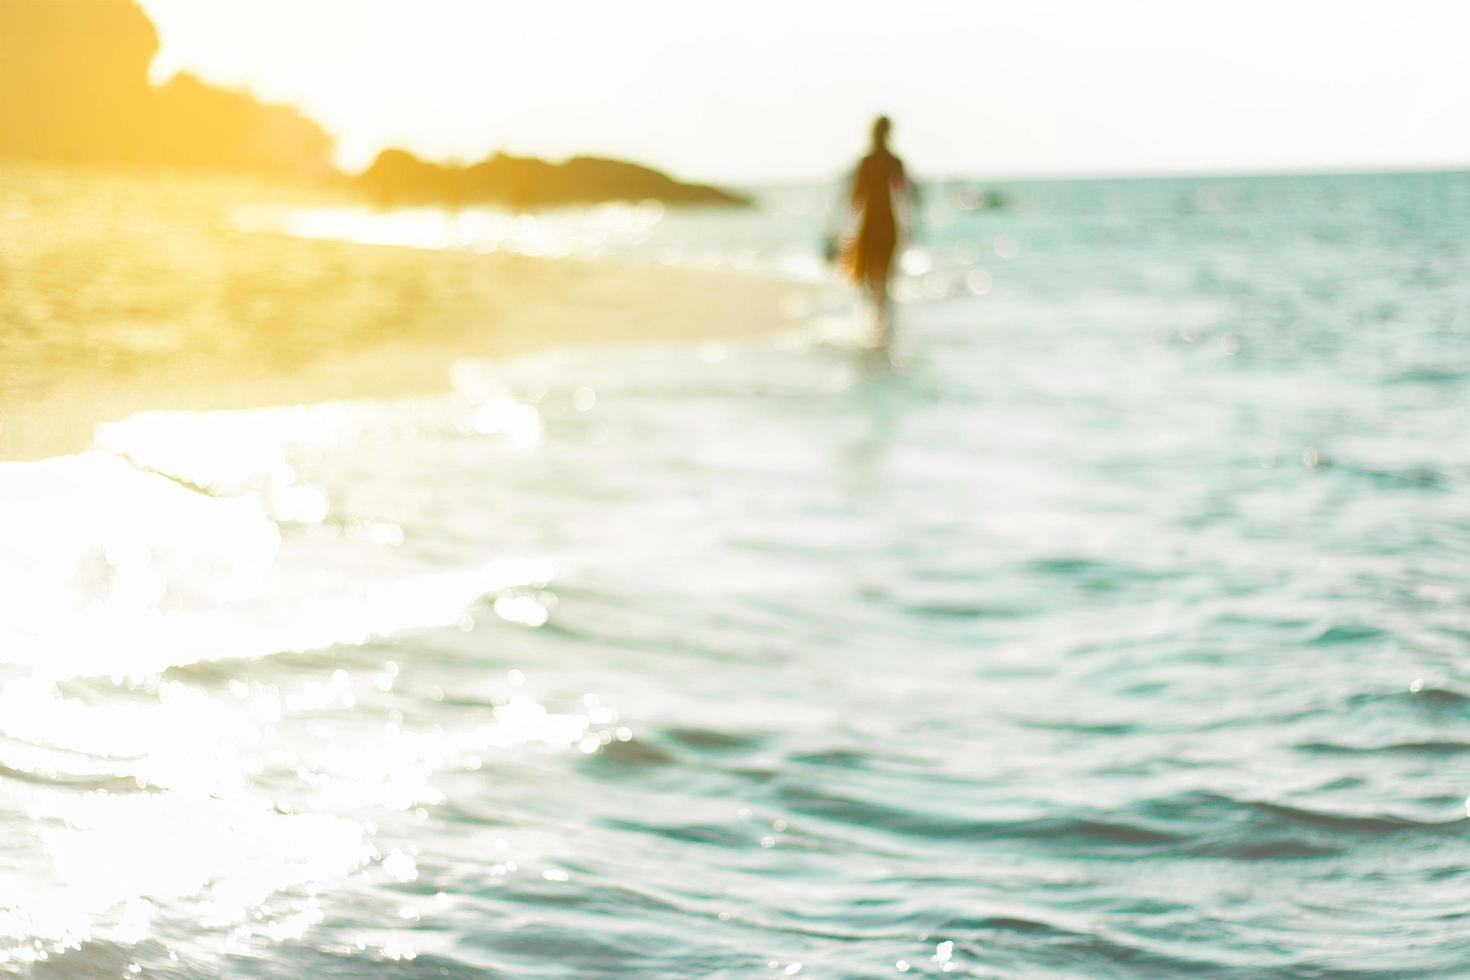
882, 204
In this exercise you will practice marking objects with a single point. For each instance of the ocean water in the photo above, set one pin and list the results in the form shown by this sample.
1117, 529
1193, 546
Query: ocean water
1119, 629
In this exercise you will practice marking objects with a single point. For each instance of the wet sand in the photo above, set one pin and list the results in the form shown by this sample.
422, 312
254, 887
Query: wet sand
143, 306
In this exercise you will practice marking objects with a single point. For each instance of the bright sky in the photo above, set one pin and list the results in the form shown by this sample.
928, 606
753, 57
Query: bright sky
785, 88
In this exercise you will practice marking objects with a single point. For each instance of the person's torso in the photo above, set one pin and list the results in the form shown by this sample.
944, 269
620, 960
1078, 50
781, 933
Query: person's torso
876, 183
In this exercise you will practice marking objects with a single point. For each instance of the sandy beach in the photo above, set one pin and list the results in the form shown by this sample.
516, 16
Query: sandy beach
153, 301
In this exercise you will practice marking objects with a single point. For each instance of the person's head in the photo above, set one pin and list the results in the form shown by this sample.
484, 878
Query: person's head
881, 126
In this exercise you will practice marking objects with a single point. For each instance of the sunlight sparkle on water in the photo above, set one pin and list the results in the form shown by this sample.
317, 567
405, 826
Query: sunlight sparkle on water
475, 228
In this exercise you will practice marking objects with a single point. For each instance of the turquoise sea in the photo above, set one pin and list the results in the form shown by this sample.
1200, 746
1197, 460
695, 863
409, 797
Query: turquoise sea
1121, 628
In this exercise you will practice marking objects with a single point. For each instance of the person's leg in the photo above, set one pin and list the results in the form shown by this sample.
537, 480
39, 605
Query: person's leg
882, 304
876, 287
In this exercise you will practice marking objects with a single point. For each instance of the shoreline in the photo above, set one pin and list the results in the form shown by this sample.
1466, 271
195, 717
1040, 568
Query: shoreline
381, 322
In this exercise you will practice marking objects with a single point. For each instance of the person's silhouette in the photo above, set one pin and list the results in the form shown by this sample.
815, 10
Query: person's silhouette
880, 189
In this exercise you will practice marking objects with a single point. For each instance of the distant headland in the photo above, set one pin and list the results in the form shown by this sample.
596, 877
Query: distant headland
74, 88
399, 177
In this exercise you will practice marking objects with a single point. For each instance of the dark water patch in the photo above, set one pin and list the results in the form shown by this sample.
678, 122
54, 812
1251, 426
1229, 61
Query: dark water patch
1235, 618
1265, 849
1081, 727
1153, 689
588, 893
1438, 697
835, 759
758, 775
477, 812
1156, 765
1453, 872
813, 802
1432, 699
952, 603
949, 576
713, 835
1459, 914
880, 912
635, 754
711, 740
969, 927
963, 610
1426, 747
1427, 374
1259, 830
1342, 783
1095, 576
559, 897
1421, 477
1077, 830
1204, 808
583, 946
469, 703
673, 749
1440, 704
1339, 634
1035, 947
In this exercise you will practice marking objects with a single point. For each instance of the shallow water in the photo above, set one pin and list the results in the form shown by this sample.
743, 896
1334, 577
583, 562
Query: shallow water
1118, 630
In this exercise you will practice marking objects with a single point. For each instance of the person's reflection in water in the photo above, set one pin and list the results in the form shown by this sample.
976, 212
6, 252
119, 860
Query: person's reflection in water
882, 195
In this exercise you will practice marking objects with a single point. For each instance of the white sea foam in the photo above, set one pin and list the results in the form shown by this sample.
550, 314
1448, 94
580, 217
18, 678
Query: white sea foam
167, 549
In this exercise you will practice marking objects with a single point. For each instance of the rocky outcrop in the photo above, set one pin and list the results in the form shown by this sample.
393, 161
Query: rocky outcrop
74, 88
399, 177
